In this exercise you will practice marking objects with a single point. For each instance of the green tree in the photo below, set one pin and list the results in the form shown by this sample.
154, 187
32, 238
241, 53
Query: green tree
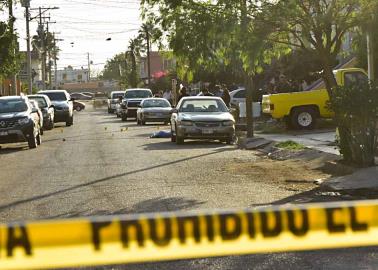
148, 35
209, 35
9, 61
114, 68
133, 54
318, 27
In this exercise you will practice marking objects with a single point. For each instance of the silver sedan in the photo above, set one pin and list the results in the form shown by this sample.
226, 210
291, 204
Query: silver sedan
154, 110
202, 118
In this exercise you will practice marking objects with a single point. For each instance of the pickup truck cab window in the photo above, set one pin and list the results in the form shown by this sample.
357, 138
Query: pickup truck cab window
351, 78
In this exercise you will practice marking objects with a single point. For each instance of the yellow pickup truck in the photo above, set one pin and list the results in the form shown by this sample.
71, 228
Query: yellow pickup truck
301, 109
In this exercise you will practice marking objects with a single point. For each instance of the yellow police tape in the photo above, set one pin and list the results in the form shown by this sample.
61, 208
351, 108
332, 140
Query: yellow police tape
155, 237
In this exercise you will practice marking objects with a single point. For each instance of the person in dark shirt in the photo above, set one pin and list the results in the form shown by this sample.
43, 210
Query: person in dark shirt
183, 93
206, 92
226, 96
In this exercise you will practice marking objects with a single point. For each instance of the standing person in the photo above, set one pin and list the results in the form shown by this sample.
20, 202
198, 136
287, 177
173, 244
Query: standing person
226, 96
183, 93
168, 95
205, 92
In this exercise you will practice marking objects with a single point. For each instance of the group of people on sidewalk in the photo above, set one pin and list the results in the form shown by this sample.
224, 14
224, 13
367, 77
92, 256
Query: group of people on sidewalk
219, 91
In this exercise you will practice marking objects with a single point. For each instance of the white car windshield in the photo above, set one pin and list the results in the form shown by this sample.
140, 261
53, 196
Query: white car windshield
137, 94
203, 105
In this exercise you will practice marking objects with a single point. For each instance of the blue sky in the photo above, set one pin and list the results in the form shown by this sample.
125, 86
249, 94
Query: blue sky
86, 23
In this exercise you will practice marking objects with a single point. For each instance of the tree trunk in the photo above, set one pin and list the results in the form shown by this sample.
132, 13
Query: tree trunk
249, 86
328, 76
133, 71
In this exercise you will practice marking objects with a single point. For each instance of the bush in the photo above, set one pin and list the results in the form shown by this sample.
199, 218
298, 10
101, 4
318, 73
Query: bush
356, 114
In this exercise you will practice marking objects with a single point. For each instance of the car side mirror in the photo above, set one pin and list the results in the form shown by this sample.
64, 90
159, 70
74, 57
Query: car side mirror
34, 110
52, 106
174, 110
72, 99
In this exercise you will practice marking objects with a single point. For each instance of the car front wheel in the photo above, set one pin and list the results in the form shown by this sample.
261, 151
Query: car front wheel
173, 136
32, 141
69, 122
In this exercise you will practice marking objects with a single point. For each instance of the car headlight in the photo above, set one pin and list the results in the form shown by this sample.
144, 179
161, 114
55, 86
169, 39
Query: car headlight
185, 123
228, 123
23, 121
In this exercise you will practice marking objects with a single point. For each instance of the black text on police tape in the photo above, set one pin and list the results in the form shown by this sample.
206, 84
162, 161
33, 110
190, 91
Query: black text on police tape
134, 229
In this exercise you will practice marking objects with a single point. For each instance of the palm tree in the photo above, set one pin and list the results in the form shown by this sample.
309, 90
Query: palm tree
49, 47
151, 35
134, 52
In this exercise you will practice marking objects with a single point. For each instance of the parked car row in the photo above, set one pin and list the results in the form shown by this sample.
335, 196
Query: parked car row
24, 118
194, 117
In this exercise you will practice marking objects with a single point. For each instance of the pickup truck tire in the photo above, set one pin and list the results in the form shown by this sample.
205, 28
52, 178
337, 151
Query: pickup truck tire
51, 124
303, 118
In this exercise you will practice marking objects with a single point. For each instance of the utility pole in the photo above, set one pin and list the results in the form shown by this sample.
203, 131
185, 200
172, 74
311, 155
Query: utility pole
26, 5
43, 56
41, 32
89, 68
11, 27
49, 56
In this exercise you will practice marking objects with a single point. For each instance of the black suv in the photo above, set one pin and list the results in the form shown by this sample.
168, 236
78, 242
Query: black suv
19, 122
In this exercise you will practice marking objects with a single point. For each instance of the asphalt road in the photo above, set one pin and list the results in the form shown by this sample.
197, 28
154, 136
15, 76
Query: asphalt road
103, 166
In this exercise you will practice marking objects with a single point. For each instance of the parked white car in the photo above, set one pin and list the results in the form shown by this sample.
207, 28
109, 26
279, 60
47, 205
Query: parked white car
238, 96
114, 99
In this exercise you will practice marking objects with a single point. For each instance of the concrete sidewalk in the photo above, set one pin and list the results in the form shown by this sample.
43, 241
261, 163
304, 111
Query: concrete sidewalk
320, 140
362, 179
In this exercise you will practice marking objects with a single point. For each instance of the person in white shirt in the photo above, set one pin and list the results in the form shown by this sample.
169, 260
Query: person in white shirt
168, 95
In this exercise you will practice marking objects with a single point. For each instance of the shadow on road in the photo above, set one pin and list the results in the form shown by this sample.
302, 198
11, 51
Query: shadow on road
168, 145
12, 149
104, 179
159, 204
318, 195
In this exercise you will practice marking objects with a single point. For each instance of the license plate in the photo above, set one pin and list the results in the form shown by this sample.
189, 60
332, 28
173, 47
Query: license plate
3, 133
207, 131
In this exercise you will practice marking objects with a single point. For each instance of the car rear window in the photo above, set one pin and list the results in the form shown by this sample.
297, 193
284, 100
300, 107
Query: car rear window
153, 103
117, 95
41, 101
